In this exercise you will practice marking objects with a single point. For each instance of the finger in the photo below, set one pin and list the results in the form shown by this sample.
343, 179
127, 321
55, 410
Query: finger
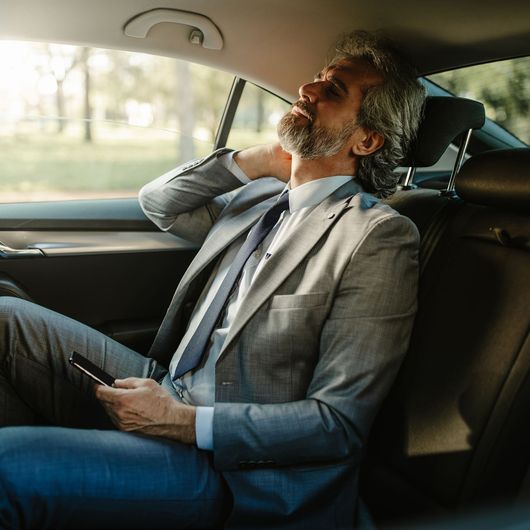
130, 382
107, 394
113, 418
133, 382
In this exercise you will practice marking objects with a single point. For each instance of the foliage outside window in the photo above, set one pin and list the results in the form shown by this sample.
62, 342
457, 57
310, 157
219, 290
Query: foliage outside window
503, 87
79, 122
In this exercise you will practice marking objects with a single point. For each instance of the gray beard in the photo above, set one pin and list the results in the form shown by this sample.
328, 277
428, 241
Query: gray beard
310, 142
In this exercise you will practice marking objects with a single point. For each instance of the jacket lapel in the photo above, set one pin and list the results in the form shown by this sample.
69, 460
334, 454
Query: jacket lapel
290, 253
220, 237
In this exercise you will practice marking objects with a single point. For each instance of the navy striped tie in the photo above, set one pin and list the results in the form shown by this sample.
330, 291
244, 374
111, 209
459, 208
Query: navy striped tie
192, 355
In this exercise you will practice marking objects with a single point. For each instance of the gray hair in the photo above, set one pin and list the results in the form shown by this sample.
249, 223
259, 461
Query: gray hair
392, 109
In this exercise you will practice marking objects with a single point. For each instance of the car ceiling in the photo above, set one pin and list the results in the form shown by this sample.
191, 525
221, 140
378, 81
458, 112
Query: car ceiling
281, 43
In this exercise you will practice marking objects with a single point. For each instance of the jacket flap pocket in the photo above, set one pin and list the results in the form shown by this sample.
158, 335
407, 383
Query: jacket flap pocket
300, 301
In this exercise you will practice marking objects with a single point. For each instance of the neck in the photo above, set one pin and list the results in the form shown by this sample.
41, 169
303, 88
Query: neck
304, 170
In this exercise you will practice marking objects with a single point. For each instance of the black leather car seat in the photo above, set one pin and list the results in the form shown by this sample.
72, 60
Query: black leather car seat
454, 431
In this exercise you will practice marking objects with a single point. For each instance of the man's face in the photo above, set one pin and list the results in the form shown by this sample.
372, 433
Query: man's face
322, 122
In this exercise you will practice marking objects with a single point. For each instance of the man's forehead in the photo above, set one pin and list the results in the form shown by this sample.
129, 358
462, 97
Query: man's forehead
353, 72
353, 66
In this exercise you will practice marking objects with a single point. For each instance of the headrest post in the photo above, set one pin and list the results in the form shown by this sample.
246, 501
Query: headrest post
407, 183
459, 161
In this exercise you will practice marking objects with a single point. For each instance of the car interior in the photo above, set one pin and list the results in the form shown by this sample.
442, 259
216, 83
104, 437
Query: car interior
452, 437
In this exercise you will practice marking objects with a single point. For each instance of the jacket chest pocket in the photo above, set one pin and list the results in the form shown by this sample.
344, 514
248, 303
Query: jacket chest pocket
298, 301
281, 343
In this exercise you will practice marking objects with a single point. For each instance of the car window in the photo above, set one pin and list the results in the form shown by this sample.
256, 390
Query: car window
256, 117
79, 122
503, 87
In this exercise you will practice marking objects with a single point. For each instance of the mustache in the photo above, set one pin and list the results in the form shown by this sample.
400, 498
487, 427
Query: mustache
305, 108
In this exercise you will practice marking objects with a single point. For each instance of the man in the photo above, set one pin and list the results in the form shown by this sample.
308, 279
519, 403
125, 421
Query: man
274, 354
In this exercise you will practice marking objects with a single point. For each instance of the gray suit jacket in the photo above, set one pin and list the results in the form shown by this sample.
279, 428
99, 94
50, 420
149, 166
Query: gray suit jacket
315, 345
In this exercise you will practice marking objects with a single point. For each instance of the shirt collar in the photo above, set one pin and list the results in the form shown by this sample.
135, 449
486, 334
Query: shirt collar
315, 191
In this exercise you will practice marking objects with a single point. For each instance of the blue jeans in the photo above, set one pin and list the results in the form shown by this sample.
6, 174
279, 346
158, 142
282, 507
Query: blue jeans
91, 477
54, 477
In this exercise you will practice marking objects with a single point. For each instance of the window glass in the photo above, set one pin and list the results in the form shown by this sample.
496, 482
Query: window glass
256, 117
79, 122
503, 87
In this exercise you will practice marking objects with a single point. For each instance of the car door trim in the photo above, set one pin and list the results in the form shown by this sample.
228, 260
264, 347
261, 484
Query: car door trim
67, 243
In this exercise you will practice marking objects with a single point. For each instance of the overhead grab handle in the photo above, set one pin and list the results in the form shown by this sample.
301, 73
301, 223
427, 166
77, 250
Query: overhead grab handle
210, 37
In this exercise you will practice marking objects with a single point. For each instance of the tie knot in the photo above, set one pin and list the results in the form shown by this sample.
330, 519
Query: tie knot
272, 215
280, 205
284, 200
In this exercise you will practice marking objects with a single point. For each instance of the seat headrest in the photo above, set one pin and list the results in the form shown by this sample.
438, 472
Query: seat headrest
444, 118
498, 178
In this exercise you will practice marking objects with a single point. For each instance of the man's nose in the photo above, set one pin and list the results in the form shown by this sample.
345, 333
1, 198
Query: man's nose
309, 91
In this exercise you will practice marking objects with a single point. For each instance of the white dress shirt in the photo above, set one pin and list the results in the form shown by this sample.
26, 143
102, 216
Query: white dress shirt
197, 387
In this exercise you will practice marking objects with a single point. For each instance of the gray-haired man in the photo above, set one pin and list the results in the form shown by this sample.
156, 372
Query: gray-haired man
258, 405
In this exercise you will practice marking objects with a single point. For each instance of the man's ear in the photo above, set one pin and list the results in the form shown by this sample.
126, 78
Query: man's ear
366, 142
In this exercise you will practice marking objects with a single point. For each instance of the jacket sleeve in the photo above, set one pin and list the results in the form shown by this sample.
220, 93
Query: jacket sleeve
187, 200
362, 344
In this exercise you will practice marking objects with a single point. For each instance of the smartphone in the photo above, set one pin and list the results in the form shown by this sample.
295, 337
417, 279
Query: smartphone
90, 369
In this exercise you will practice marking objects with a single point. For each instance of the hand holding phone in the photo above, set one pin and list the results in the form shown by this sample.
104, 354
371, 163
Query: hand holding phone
94, 372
